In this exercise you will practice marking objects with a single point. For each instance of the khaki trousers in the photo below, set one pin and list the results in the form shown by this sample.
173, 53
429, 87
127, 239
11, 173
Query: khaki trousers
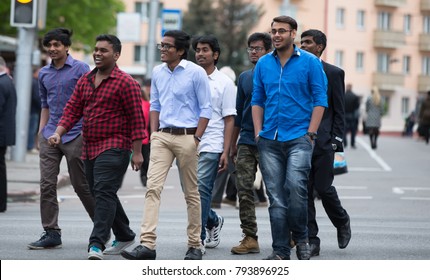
165, 147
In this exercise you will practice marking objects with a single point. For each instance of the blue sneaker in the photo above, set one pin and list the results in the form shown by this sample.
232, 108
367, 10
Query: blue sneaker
95, 253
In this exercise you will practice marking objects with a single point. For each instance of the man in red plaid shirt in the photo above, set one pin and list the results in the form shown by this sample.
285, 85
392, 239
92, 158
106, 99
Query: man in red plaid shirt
109, 101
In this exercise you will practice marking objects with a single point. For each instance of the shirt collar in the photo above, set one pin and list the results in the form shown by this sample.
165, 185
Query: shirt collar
213, 74
69, 61
113, 74
297, 51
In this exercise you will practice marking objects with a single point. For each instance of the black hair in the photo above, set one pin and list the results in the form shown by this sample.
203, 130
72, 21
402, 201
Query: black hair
112, 39
258, 36
211, 40
182, 40
59, 34
286, 19
318, 37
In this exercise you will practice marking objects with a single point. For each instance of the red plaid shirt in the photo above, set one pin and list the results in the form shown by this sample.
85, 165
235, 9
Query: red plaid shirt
112, 112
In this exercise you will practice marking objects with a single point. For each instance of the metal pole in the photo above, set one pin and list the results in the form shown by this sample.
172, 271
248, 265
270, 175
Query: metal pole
153, 15
22, 77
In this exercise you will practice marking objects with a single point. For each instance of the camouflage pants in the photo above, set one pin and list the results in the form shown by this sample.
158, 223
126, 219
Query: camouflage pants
246, 167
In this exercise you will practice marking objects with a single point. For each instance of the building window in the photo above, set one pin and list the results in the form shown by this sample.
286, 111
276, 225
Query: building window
384, 21
338, 60
426, 65
426, 24
405, 106
406, 64
383, 63
359, 64
139, 54
360, 19
407, 19
340, 17
143, 8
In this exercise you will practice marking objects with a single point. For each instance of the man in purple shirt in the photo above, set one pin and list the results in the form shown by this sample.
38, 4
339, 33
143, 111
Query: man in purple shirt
57, 81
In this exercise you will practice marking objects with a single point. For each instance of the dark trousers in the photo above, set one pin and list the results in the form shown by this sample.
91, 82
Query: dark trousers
320, 180
373, 135
3, 180
225, 180
351, 126
105, 174
146, 152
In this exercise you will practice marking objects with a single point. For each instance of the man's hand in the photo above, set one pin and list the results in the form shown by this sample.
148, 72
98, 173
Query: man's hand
54, 139
136, 161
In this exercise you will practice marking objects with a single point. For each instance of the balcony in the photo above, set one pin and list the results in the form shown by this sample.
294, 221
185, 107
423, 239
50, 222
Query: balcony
424, 42
425, 5
388, 81
388, 39
423, 83
390, 3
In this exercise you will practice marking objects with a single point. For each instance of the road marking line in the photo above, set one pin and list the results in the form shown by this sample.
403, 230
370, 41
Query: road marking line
351, 187
356, 197
374, 155
415, 198
364, 169
401, 190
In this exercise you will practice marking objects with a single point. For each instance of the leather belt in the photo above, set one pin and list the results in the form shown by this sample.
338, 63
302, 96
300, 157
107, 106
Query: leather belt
179, 131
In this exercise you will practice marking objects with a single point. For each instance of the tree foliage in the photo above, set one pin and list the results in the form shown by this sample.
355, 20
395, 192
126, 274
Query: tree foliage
87, 18
230, 21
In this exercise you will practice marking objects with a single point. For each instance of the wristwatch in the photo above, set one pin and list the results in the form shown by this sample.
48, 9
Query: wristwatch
198, 138
311, 135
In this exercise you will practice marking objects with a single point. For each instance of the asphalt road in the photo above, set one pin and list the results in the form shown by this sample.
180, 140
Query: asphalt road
386, 192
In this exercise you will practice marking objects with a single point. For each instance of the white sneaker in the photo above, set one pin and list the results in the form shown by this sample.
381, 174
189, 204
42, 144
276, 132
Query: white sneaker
213, 238
95, 253
117, 247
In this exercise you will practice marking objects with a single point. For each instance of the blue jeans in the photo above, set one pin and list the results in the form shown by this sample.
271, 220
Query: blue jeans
285, 168
207, 170
105, 174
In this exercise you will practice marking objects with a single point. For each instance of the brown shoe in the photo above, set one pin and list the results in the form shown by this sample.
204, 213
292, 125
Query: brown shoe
246, 246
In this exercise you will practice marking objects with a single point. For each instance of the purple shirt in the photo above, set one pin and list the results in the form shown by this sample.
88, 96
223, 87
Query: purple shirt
55, 88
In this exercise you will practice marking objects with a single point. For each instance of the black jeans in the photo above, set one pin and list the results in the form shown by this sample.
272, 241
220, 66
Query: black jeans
105, 174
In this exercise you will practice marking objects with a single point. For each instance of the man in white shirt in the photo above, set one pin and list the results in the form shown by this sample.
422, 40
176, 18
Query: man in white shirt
215, 144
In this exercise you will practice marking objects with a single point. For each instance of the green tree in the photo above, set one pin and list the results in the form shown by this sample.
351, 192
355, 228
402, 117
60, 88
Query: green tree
230, 21
87, 18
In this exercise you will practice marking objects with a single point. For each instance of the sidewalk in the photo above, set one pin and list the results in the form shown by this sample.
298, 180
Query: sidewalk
23, 178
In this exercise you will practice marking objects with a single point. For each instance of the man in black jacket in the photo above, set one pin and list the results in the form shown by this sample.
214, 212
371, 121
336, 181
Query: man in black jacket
329, 140
7, 126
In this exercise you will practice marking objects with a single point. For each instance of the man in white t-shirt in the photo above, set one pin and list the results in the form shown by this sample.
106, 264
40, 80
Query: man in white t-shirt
214, 146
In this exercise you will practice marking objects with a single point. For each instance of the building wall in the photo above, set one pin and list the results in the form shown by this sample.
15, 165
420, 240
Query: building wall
348, 39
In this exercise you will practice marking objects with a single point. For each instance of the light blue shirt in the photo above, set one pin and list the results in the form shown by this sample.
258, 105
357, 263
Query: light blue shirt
288, 94
181, 96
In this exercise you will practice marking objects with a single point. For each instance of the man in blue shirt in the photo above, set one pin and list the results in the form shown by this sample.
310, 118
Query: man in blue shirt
57, 81
179, 113
247, 158
288, 102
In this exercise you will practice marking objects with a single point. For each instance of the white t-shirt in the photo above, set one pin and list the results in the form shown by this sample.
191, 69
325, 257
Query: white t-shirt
223, 94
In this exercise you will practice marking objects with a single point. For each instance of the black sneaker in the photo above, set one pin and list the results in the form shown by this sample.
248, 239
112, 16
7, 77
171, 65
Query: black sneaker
193, 254
50, 239
275, 256
139, 253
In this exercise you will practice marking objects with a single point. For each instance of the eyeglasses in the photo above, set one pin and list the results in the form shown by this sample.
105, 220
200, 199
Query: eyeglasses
164, 47
280, 31
256, 49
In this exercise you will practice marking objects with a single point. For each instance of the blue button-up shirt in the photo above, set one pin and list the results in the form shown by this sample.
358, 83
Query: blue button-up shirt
288, 94
181, 96
55, 88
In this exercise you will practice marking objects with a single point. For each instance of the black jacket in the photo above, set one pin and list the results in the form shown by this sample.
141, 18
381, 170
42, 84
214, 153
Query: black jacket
332, 125
7, 111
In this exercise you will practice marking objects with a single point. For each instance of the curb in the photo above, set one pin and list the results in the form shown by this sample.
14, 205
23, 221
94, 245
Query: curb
31, 195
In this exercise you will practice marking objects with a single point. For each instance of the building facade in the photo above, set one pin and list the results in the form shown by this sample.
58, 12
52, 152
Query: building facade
385, 43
